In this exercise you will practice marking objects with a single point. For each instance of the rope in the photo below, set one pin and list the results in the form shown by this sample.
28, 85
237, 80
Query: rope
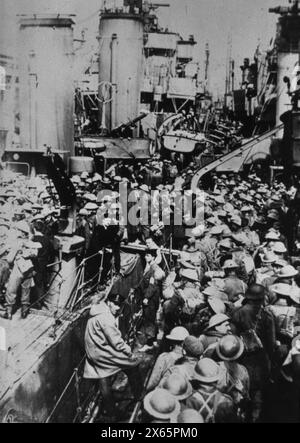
64, 391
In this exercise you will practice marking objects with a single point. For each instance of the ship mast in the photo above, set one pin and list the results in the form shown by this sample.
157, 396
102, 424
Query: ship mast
207, 58
228, 71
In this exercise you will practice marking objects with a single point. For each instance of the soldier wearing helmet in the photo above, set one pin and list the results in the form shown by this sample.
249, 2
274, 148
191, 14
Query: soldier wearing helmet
178, 386
160, 405
21, 279
215, 303
166, 360
192, 351
207, 397
235, 379
182, 307
218, 327
253, 322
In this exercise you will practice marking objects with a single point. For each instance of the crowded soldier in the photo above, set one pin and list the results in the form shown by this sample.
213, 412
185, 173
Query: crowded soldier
221, 317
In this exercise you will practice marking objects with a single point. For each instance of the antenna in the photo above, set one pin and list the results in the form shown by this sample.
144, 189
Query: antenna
207, 56
228, 68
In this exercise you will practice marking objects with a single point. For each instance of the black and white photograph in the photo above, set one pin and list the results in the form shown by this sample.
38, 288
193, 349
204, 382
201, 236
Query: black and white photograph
149, 214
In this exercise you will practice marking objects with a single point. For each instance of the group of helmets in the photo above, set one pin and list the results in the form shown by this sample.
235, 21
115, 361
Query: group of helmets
164, 403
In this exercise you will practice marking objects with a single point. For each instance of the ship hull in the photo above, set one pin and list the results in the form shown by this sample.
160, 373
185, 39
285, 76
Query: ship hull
39, 378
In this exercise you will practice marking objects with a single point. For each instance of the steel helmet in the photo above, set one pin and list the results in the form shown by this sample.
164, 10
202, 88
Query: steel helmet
217, 305
275, 198
236, 220
209, 291
161, 404
273, 215
216, 230
178, 334
295, 295
32, 245
91, 207
272, 236
287, 272
144, 188
117, 178
282, 289
193, 347
207, 371
219, 294
19, 211
226, 244
219, 200
83, 212
213, 221
90, 197
75, 179
190, 274
217, 320
279, 248
280, 263
178, 386
97, 177
246, 209
269, 257
27, 207
189, 416
230, 348
285, 290
230, 264
227, 232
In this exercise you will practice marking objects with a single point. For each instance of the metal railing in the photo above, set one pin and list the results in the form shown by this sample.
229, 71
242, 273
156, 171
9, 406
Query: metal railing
75, 379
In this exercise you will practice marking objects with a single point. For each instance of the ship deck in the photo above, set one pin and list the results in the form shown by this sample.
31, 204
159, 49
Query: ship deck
26, 343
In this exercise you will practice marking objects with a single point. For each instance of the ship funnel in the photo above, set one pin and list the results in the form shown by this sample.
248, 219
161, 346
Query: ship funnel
46, 83
121, 39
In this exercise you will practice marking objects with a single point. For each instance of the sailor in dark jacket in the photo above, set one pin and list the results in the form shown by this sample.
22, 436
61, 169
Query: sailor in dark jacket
107, 353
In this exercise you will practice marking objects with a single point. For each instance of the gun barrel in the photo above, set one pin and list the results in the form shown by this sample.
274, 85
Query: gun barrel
161, 5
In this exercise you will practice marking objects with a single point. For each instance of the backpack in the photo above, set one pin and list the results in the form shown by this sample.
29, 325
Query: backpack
211, 411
